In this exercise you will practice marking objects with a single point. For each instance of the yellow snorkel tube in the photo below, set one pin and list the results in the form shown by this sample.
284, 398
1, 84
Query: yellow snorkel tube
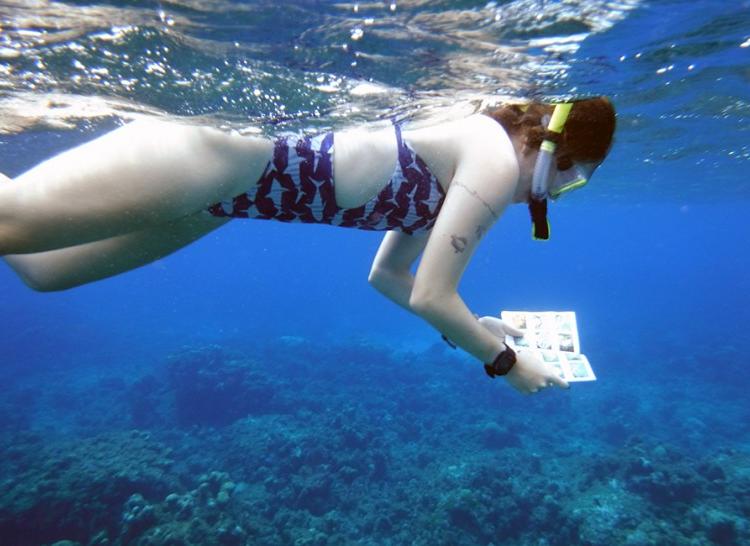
542, 169
543, 166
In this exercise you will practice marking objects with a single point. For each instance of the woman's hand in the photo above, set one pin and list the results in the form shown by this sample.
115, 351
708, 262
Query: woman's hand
529, 374
499, 328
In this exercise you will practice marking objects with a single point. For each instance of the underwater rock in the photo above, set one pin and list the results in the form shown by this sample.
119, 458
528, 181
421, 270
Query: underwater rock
205, 515
467, 511
348, 474
74, 489
493, 436
212, 389
666, 486
641, 487
464, 519
711, 471
314, 494
639, 467
137, 516
354, 438
723, 531
148, 401
379, 466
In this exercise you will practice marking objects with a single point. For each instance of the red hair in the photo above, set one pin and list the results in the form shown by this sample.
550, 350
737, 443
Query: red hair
588, 132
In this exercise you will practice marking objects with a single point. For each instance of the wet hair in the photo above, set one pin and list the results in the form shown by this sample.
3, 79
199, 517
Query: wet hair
588, 131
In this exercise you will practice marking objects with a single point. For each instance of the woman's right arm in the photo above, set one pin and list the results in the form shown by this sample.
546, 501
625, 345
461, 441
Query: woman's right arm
391, 270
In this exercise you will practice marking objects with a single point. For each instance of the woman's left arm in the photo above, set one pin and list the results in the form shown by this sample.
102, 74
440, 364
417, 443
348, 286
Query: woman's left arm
470, 208
472, 205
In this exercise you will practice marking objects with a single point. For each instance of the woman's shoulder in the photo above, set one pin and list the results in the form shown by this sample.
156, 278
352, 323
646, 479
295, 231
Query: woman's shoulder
473, 143
469, 134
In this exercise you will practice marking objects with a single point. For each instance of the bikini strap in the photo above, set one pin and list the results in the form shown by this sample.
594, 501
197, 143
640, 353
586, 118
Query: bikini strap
397, 128
404, 151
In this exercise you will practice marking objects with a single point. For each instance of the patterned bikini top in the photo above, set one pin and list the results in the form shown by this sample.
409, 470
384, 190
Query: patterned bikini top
297, 185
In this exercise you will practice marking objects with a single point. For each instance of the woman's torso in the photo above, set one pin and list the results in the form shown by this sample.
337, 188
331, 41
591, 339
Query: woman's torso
377, 179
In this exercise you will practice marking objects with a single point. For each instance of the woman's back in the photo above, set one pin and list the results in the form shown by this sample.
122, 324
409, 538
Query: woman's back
364, 160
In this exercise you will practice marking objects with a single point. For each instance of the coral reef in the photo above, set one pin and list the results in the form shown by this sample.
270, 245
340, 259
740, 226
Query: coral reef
75, 489
307, 444
204, 515
210, 388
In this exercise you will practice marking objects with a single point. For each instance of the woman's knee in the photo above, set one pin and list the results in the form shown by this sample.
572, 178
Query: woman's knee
9, 231
35, 276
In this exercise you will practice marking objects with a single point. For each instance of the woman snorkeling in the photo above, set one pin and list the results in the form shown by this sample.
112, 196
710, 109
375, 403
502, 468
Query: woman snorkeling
149, 188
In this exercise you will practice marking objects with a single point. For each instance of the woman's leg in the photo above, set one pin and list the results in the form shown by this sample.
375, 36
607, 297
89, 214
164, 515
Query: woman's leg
138, 176
68, 267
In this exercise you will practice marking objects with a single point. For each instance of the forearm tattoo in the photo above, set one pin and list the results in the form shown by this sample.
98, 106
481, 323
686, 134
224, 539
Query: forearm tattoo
480, 231
476, 195
458, 243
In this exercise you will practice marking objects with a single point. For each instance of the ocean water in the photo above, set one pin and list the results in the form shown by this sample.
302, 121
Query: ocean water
253, 389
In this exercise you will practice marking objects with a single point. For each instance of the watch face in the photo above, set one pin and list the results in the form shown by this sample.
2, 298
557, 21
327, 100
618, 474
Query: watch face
504, 362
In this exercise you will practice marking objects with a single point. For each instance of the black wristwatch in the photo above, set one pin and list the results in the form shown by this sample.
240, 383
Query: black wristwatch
502, 363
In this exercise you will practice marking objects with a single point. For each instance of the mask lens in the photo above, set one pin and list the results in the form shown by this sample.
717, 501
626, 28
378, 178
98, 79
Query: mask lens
571, 179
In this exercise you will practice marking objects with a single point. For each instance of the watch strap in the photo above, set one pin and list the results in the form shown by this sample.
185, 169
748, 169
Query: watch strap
502, 364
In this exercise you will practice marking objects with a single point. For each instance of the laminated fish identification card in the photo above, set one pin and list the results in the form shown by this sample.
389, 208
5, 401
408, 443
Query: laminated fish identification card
553, 337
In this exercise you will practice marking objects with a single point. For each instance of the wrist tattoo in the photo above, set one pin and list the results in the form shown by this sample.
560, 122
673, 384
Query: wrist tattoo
458, 243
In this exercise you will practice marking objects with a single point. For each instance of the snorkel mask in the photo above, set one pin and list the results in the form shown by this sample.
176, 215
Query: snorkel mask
548, 180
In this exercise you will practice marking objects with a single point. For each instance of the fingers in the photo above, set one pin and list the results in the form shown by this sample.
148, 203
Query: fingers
552, 381
499, 328
494, 325
511, 330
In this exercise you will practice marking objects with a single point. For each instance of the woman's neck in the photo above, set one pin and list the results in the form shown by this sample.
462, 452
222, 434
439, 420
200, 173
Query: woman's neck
526, 161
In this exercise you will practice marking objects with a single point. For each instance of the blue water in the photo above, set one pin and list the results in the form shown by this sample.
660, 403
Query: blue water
253, 389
